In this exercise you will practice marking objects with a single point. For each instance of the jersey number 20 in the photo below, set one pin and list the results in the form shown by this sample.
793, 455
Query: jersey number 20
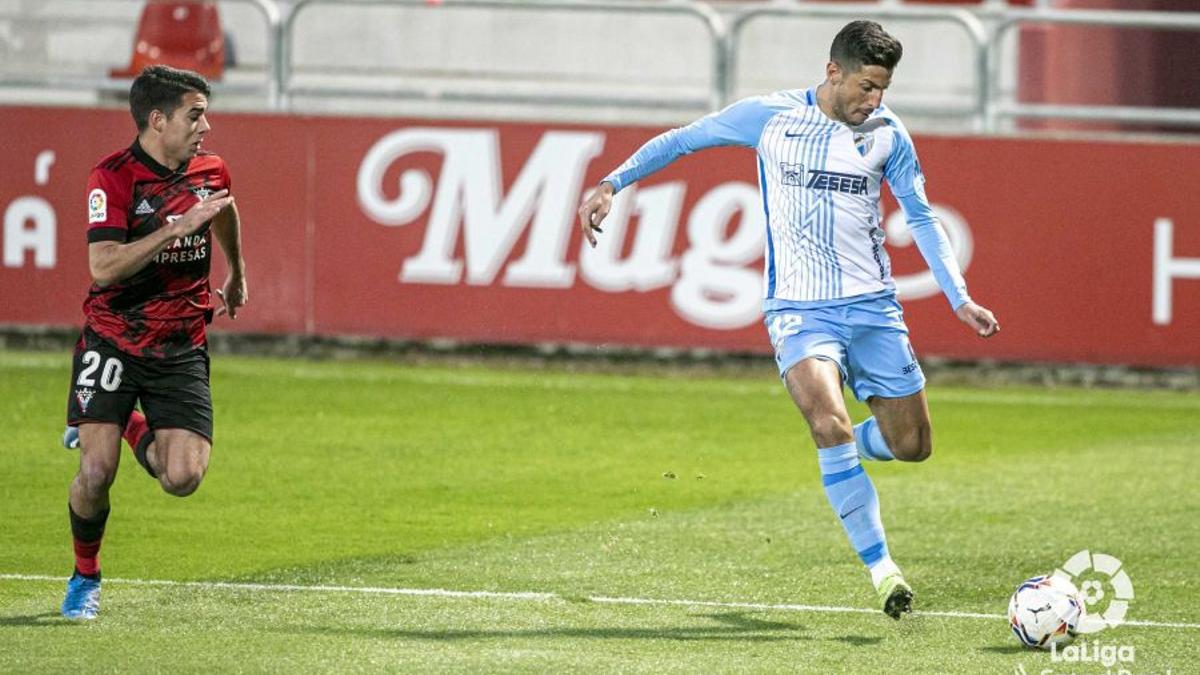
110, 376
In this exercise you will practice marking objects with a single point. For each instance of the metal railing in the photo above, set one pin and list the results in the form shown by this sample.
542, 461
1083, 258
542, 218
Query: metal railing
725, 39
971, 26
273, 24
1095, 113
686, 8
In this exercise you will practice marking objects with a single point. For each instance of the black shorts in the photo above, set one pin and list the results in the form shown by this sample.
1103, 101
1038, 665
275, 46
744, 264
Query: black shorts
106, 383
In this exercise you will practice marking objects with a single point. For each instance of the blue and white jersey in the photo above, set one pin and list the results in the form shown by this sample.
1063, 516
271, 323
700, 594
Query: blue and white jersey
820, 182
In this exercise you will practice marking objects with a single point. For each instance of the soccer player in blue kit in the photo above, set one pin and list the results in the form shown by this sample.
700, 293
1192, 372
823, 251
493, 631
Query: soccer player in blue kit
830, 301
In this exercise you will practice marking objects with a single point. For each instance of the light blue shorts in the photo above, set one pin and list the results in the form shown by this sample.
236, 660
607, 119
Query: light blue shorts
867, 339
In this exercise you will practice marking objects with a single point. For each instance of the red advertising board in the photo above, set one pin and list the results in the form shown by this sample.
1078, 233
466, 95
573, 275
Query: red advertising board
417, 229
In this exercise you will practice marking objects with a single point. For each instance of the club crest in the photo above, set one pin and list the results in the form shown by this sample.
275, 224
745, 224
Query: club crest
864, 142
84, 396
792, 174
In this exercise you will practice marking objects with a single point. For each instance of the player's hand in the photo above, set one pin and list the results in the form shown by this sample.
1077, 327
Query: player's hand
233, 296
593, 210
980, 319
200, 213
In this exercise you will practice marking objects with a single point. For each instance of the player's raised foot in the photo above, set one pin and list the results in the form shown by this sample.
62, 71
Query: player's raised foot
71, 438
83, 597
895, 595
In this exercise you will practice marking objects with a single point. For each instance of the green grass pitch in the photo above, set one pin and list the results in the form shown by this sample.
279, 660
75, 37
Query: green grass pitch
657, 522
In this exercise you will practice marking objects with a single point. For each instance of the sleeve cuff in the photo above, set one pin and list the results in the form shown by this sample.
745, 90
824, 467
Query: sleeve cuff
96, 234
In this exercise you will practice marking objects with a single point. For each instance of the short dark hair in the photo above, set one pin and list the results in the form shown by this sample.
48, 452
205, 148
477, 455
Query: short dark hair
865, 43
162, 88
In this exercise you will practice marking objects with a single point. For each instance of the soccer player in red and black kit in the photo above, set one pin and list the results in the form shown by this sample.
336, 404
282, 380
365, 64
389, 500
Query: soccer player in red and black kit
153, 210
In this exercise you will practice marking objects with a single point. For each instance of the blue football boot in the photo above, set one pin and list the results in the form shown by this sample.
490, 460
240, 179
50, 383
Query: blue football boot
83, 597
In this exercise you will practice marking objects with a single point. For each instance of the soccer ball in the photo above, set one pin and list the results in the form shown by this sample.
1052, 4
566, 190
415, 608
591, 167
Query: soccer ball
1045, 611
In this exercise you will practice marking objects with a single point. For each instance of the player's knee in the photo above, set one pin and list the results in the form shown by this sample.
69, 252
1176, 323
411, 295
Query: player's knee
831, 429
180, 486
96, 477
914, 445
181, 482
917, 452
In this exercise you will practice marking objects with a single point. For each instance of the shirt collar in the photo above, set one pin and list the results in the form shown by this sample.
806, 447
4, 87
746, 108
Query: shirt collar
144, 157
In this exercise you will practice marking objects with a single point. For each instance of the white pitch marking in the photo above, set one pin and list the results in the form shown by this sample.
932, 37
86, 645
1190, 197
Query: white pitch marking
532, 595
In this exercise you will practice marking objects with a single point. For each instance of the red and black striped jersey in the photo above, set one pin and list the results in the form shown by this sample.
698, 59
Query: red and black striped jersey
161, 310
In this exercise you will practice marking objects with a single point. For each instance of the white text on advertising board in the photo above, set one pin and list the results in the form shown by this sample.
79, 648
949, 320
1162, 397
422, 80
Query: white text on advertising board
712, 283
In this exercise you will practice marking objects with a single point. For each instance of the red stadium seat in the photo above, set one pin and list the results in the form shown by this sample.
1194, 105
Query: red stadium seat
181, 34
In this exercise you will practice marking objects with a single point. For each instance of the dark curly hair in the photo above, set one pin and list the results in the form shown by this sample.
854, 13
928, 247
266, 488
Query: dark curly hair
162, 88
865, 43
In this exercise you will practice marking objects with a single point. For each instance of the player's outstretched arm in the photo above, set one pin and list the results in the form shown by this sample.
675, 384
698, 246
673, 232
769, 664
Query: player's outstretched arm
739, 124
595, 207
111, 262
228, 230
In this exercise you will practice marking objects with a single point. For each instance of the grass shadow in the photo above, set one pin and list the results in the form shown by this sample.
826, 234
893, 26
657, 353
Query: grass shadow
1006, 649
731, 626
858, 640
728, 626
45, 620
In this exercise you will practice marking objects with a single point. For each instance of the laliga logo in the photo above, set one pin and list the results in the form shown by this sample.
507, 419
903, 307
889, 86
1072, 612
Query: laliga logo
473, 226
1081, 569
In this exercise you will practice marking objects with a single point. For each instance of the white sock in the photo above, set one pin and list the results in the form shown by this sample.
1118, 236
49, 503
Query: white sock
881, 569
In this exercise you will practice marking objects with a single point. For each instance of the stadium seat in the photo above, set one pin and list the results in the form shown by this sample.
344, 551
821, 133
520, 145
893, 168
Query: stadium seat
178, 33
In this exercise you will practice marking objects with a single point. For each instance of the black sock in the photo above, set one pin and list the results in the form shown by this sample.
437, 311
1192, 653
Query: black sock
87, 533
87, 529
95, 577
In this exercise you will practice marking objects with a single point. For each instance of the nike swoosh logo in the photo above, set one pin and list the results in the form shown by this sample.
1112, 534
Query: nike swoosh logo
791, 135
852, 511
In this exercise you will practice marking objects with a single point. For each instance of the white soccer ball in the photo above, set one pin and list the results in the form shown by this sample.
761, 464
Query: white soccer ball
1045, 611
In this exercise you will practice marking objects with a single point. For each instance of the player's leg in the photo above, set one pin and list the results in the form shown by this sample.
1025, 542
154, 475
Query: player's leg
903, 426
100, 400
810, 352
99, 456
137, 433
816, 386
88, 508
178, 406
181, 460
885, 373
141, 440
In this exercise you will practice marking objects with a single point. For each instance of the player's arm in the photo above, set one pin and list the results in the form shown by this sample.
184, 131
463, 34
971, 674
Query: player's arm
227, 228
111, 261
739, 124
908, 185
935, 248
